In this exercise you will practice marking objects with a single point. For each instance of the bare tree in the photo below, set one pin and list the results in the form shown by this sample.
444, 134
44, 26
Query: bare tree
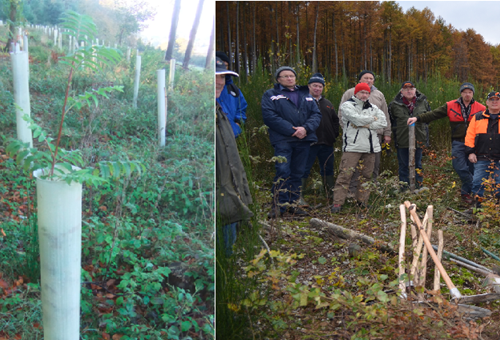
192, 35
210, 54
173, 30
315, 58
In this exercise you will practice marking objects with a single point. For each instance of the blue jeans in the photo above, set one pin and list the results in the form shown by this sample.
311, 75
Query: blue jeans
229, 237
404, 163
483, 170
288, 179
462, 166
324, 153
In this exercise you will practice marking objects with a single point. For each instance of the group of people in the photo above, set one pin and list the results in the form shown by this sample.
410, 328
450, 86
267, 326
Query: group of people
303, 127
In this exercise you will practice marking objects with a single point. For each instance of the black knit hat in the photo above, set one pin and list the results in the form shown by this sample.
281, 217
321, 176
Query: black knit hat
466, 86
317, 78
365, 72
284, 68
407, 84
223, 56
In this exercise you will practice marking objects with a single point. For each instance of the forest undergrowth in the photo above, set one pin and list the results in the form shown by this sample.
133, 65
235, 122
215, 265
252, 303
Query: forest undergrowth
312, 285
147, 261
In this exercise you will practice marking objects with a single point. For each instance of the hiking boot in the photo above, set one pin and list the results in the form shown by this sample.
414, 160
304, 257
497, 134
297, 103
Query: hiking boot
298, 212
467, 199
335, 209
274, 213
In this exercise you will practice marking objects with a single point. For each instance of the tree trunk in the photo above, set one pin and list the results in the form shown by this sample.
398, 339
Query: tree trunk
245, 55
237, 46
315, 58
173, 30
192, 35
389, 59
254, 55
229, 46
210, 53
336, 48
297, 57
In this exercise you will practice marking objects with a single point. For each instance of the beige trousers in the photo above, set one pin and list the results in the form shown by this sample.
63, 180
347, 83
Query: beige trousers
349, 163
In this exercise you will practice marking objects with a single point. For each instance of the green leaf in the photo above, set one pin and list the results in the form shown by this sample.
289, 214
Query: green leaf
322, 260
185, 325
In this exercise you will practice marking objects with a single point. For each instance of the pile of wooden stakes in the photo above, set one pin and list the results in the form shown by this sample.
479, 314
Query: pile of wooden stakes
418, 268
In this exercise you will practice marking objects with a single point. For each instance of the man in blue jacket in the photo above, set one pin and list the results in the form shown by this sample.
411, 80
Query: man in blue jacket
292, 116
232, 101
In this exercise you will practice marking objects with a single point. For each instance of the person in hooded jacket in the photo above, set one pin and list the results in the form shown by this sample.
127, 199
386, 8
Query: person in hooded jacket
231, 100
292, 117
409, 102
360, 143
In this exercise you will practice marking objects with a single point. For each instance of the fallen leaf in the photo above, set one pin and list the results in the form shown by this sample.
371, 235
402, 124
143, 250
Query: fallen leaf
117, 336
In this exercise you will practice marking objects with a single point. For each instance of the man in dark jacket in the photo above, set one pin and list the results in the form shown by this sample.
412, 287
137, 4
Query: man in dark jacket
409, 102
460, 113
232, 191
231, 100
482, 145
327, 132
292, 116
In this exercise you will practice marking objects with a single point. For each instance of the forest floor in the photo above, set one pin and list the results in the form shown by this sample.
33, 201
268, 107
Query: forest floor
324, 287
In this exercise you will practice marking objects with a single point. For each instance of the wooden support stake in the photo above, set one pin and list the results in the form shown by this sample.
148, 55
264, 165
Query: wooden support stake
402, 285
440, 256
421, 280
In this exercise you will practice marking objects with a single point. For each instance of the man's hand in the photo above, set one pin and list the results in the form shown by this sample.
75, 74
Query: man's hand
300, 132
412, 120
387, 139
472, 158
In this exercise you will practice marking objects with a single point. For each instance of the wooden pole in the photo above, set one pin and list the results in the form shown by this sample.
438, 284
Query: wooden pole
440, 256
402, 285
411, 152
421, 281
453, 290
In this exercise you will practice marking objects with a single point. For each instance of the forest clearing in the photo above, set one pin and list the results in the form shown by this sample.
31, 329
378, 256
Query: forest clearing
294, 277
147, 254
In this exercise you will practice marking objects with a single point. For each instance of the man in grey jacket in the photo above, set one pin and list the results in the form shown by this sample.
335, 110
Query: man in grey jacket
361, 120
384, 135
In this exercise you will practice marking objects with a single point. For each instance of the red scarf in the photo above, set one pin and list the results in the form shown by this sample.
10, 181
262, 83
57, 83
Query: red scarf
410, 105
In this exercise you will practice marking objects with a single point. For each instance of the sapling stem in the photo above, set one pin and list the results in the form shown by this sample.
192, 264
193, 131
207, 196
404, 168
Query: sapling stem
62, 119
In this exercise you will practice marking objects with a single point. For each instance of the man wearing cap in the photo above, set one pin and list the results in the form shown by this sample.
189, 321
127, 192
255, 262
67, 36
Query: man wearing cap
482, 146
360, 144
377, 98
409, 102
327, 132
460, 113
292, 116
231, 100
233, 193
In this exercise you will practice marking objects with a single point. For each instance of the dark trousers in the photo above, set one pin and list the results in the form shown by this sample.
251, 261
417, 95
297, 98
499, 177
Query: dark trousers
404, 165
288, 180
462, 166
325, 156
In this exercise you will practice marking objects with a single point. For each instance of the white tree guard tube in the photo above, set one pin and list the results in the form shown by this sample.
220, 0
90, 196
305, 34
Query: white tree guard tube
60, 237
55, 37
137, 79
25, 44
162, 113
20, 71
172, 74
128, 55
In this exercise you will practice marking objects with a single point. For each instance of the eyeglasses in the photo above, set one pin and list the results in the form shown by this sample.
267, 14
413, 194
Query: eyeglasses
289, 77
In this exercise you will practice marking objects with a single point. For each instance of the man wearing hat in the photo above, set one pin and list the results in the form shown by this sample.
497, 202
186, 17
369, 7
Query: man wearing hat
231, 100
384, 135
292, 117
460, 113
482, 146
409, 102
327, 132
360, 144
232, 191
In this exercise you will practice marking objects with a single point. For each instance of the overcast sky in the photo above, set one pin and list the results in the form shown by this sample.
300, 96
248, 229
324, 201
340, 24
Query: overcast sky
159, 29
482, 16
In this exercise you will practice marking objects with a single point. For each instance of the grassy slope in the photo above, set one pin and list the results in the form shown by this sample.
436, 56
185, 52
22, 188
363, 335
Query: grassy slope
147, 249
